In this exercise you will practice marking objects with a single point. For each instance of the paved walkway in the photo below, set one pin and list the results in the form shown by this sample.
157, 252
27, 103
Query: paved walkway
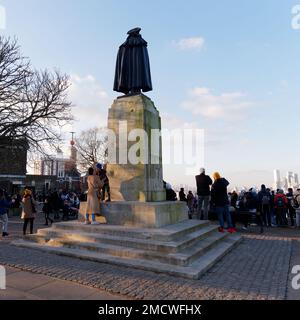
22, 285
259, 268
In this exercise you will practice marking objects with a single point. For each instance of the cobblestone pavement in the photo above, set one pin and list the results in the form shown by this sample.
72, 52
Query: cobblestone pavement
259, 268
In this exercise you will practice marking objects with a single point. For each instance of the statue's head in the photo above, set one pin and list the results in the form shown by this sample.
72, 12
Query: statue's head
134, 32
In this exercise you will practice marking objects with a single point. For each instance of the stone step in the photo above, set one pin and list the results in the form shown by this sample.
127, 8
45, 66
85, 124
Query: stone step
149, 244
183, 258
189, 254
194, 271
167, 233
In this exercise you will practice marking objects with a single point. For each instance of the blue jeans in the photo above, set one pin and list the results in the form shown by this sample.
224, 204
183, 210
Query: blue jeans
87, 217
221, 212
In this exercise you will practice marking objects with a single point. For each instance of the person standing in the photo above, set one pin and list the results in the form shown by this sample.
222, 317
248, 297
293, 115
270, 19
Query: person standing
47, 210
280, 205
29, 210
182, 196
233, 198
203, 182
297, 206
264, 200
93, 197
56, 204
106, 188
190, 203
4, 205
219, 199
291, 209
272, 209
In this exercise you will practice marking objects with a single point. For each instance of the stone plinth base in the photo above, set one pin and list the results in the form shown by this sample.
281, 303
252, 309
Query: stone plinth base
186, 249
140, 214
136, 172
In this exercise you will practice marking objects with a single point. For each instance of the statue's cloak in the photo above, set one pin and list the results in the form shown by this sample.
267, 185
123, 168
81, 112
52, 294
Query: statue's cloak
133, 66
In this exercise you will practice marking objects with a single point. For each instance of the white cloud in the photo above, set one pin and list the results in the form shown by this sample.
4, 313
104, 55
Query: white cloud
91, 102
201, 101
190, 43
171, 122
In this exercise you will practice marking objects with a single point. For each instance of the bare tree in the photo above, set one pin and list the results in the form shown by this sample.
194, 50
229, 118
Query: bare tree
92, 147
14, 69
33, 104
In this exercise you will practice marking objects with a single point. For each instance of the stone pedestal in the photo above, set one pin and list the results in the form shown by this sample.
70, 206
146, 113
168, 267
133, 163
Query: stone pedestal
136, 172
140, 214
143, 230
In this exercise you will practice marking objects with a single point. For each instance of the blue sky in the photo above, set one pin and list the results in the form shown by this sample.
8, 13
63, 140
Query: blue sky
230, 67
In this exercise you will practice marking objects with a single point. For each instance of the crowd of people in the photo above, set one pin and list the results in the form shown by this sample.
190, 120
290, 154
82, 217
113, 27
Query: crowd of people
56, 205
266, 207
269, 208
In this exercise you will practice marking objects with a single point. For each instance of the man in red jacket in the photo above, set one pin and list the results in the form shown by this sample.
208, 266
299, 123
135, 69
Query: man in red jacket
280, 205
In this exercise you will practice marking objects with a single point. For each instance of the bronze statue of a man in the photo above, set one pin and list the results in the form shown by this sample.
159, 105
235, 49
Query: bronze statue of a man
133, 68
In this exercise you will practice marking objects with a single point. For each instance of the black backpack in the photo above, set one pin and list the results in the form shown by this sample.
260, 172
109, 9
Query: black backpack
295, 202
265, 199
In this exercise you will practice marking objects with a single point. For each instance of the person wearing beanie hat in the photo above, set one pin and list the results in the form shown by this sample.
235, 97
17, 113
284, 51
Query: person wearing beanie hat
203, 183
99, 166
219, 199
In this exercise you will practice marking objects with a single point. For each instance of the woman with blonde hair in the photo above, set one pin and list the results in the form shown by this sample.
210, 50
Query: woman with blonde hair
93, 196
29, 210
219, 199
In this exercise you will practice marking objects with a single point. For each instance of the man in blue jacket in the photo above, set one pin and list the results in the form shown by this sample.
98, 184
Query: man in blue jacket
4, 205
